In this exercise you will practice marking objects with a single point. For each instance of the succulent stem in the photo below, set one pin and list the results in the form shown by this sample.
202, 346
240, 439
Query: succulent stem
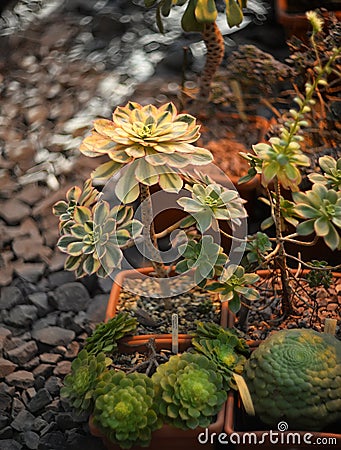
215, 46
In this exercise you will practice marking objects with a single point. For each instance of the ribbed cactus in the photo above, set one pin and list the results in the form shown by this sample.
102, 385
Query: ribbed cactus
295, 376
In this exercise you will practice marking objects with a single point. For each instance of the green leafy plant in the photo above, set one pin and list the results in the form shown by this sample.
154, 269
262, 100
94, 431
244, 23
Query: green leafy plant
105, 336
318, 278
189, 391
80, 384
234, 285
224, 348
292, 377
125, 409
331, 178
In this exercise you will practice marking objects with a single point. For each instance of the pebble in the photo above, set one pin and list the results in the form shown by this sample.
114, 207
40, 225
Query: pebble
21, 379
54, 336
23, 353
40, 400
23, 421
13, 211
22, 315
6, 368
71, 297
11, 296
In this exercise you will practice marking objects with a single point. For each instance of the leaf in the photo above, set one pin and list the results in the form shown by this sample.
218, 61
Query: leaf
306, 228
106, 170
234, 14
189, 21
149, 3
127, 188
234, 304
321, 226
332, 239
82, 214
159, 19
75, 248
170, 182
206, 11
166, 7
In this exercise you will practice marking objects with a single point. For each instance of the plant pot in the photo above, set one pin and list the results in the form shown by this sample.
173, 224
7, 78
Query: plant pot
296, 23
135, 341
231, 319
167, 437
249, 432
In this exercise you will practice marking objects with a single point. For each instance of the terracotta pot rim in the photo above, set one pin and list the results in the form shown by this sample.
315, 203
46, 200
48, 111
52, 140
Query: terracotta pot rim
131, 273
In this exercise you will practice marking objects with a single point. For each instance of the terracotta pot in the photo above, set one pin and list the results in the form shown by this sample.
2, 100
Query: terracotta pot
249, 432
135, 341
295, 24
168, 437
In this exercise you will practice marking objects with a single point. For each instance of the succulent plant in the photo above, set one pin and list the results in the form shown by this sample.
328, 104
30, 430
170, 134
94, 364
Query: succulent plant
75, 197
317, 277
257, 248
94, 240
294, 375
213, 202
198, 12
189, 391
105, 336
125, 408
321, 207
80, 383
223, 347
155, 142
205, 257
234, 284
332, 173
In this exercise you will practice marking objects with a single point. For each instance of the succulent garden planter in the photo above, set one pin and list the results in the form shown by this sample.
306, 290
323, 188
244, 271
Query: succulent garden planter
239, 426
168, 437
264, 274
134, 341
295, 21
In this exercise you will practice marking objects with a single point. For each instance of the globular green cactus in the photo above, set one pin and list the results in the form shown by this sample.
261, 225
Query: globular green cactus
79, 385
295, 376
224, 348
189, 391
125, 408
105, 336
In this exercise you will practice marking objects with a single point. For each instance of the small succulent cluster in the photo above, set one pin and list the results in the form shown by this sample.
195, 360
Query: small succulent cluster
106, 334
189, 391
234, 285
294, 376
125, 408
224, 348
79, 385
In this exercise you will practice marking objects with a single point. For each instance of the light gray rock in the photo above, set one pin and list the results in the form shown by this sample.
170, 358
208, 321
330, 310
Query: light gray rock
71, 297
24, 353
54, 336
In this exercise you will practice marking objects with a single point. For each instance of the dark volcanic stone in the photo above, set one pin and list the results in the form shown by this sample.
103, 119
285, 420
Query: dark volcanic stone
71, 297
54, 336
10, 444
40, 301
11, 296
22, 315
6, 433
23, 421
5, 401
53, 385
97, 307
24, 353
3, 420
30, 439
41, 399
53, 441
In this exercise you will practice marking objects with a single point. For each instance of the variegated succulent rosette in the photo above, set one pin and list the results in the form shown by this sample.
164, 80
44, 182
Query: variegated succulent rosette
149, 146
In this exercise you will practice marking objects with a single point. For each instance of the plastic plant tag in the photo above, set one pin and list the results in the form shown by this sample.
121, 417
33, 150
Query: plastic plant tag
175, 334
244, 394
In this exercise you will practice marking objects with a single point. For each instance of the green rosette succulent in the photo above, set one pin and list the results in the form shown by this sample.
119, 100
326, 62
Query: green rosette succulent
80, 383
205, 257
75, 197
331, 178
105, 336
94, 240
321, 207
211, 203
125, 408
294, 376
233, 285
189, 391
224, 348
